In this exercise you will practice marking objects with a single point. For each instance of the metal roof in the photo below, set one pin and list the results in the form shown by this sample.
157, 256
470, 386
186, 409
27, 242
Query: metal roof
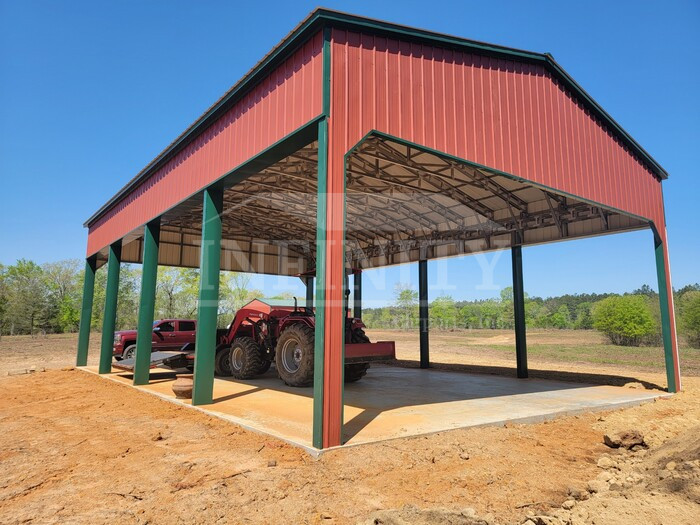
322, 17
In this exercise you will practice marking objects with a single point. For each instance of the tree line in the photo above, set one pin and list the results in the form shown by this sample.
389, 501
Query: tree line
47, 298
630, 319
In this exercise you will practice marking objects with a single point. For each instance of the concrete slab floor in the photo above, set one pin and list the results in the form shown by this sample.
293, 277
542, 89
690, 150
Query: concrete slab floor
393, 402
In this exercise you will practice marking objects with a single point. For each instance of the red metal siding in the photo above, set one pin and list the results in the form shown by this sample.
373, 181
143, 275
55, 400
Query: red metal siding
514, 117
284, 101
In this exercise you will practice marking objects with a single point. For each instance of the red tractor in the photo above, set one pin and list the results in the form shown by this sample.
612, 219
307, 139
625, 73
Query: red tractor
265, 330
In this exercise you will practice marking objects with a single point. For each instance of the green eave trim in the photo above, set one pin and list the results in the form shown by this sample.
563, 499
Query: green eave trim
324, 18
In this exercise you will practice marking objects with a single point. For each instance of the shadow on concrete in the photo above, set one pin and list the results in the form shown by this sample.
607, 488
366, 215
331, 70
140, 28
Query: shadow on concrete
574, 377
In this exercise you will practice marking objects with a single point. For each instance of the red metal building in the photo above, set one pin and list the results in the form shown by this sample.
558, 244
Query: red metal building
406, 145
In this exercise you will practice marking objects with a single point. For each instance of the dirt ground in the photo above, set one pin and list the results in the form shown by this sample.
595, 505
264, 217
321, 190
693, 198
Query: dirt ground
75, 448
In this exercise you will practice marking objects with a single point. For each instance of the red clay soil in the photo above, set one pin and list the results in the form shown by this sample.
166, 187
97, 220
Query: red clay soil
77, 448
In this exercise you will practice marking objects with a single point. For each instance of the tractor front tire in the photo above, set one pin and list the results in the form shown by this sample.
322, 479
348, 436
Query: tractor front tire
246, 360
222, 361
294, 355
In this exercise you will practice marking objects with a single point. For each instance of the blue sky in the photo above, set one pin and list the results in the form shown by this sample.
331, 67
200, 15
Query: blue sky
92, 91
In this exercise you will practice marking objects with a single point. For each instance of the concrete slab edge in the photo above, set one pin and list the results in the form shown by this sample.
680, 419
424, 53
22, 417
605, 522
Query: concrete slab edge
517, 421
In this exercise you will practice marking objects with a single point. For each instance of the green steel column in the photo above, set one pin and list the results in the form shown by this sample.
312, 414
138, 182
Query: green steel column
423, 313
110, 312
86, 311
319, 346
357, 294
149, 277
309, 281
519, 312
208, 304
666, 331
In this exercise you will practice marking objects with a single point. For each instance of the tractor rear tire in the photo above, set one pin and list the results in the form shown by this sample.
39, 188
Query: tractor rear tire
358, 335
355, 372
246, 360
294, 355
222, 361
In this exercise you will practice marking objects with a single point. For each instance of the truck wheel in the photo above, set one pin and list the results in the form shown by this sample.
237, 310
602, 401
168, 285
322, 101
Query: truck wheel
294, 355
355, 372
129, 352
246, 361
222, 361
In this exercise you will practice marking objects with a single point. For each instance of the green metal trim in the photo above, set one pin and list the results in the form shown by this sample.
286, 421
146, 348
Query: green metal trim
473, 164
110, 311
86, 311
326, 74
208, 304
321, 235
321, 230
423, 314
309, 284
519, 312
149, 279
357, 295
666, 334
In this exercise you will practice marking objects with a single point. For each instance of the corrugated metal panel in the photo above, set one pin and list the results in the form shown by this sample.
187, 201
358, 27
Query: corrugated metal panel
287, 99
514, 117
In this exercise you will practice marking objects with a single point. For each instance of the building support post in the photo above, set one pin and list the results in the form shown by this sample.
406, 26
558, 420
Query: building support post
110, 312
668, 320
357, 294
149, 277
519, 312
309, 281
208, 303
86, 311
424, 321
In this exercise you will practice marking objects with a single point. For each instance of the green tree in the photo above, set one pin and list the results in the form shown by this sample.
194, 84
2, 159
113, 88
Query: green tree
26, 298
3, 299
406, 305
561, 318
626, 320
63, 281
176, 292
689, 317
583, 319
443, 313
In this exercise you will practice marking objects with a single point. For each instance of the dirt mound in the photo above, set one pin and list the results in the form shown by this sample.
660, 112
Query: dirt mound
675, 466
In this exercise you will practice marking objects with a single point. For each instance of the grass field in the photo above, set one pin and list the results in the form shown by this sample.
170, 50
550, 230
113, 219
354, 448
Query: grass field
470, 347
573, 347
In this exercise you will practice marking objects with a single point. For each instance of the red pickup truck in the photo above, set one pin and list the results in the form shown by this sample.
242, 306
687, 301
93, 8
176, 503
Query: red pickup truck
168, 334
